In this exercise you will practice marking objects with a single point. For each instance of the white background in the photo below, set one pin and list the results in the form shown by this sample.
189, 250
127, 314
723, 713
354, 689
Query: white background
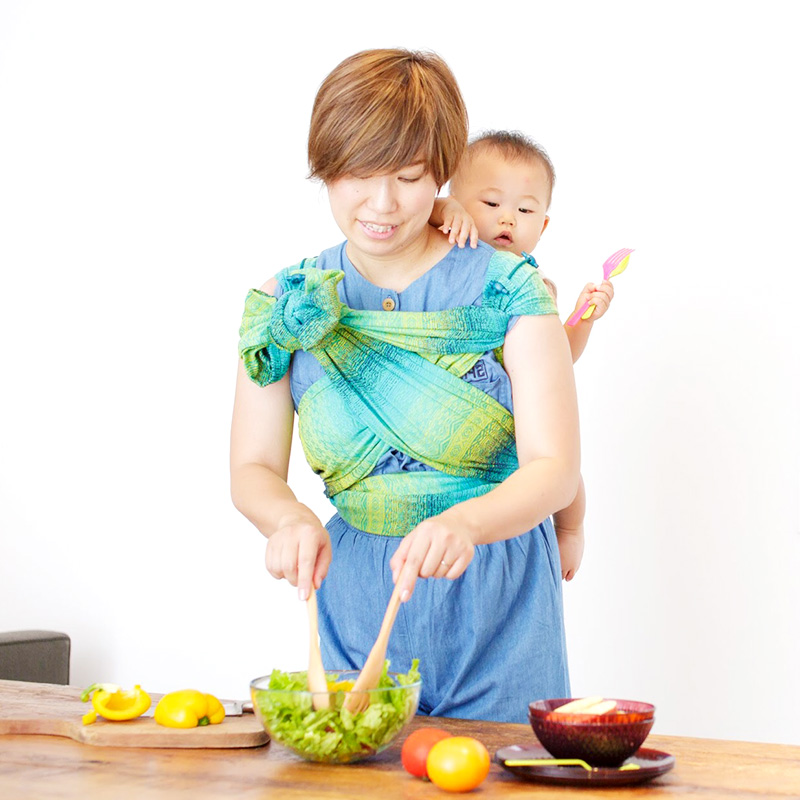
152, 169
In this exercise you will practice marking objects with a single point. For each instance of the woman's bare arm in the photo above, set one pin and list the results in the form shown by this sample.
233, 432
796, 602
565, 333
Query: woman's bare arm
261, 439
538, 362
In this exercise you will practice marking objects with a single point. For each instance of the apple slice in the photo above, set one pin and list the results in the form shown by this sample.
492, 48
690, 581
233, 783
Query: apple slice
577, 706
604, 707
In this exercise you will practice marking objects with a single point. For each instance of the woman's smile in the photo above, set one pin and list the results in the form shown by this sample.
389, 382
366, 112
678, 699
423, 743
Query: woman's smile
375, 231
385, 215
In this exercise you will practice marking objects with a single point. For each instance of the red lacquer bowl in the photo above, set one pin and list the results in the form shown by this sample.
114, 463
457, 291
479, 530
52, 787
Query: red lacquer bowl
604, 740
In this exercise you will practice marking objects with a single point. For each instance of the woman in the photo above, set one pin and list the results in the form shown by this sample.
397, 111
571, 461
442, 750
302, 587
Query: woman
405, 410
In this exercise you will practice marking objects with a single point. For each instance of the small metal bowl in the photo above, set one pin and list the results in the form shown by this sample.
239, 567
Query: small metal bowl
602, 740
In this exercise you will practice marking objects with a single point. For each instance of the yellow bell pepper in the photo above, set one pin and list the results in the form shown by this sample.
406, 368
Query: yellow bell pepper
112, 702
340, 686
188, 709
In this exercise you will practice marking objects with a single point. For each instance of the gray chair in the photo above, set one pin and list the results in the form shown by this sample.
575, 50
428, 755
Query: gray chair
35, 656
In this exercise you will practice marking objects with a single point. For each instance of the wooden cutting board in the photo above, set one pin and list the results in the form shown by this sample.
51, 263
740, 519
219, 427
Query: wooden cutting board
43, 708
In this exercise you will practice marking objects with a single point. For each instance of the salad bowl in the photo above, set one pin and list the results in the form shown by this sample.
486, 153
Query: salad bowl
326, 731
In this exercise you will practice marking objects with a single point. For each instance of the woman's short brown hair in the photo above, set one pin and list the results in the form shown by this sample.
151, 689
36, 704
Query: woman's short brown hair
381, 110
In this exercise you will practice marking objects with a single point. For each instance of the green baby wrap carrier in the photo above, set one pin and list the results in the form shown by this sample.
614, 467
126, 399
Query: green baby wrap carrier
393, 380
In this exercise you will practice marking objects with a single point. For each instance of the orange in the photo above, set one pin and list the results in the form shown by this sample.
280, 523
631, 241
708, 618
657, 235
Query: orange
458, 763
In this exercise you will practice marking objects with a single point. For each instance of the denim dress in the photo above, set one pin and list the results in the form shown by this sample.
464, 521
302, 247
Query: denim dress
490, 641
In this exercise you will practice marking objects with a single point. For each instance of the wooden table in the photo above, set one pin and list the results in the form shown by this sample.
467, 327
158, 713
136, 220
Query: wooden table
33, 767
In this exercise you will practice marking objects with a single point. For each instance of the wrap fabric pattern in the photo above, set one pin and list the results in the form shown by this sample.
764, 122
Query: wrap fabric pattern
393, 380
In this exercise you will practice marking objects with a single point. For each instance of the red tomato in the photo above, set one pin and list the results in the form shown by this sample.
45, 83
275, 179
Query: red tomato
458, 763
414, 754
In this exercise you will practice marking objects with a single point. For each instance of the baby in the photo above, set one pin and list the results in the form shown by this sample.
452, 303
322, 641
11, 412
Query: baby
501, 194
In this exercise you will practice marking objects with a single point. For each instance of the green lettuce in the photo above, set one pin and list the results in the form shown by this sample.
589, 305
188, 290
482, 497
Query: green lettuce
334, 734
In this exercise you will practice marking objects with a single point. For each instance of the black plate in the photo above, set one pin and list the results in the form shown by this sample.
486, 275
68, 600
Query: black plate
651, 763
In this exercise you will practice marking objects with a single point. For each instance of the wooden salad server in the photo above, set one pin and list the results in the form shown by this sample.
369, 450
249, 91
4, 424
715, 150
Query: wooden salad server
358, 697
317, 683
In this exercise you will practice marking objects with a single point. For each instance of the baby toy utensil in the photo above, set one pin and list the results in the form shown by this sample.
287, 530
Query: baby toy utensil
549, 762
317, 684
358, 698
612, 266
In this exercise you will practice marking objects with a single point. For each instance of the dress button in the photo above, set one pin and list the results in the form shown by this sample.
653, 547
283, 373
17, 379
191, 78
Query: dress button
388, 304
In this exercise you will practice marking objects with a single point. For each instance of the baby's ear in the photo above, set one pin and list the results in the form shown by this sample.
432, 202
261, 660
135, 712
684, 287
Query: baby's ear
546, 223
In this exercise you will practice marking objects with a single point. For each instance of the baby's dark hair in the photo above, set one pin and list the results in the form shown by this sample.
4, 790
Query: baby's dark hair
514, 146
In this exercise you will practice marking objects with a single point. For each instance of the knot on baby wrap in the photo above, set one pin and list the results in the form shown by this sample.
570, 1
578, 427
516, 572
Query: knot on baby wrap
308, 311
301, 318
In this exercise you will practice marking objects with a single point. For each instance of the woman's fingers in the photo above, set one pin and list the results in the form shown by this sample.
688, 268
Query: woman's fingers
272, 558
436, 548
307, 551
432, 561
324, 557
450, 567
301, 553
399, 558
442, 569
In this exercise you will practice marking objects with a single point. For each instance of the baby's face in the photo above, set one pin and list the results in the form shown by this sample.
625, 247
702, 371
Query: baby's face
507, 199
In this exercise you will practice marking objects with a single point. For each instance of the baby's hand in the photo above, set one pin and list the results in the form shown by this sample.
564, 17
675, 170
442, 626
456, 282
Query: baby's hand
599, 295
457, 223
570, 548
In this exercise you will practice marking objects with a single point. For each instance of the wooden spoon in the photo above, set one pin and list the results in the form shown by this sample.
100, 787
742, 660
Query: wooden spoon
358, 698
317, 684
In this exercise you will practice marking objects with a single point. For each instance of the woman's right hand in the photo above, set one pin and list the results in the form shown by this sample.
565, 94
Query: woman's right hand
300, 551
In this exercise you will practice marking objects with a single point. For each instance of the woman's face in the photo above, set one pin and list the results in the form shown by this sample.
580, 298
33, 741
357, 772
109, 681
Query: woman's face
387, 214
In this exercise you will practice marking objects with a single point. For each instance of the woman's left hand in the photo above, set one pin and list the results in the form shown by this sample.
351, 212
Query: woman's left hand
439, 547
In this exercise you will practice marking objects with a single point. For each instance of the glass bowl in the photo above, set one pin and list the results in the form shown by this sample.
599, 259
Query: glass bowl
602, 740
333, 735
